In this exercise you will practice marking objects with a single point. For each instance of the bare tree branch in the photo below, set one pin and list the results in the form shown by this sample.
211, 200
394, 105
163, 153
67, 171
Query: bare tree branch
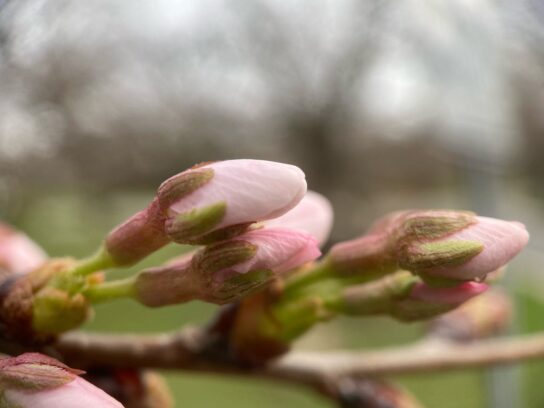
184, 350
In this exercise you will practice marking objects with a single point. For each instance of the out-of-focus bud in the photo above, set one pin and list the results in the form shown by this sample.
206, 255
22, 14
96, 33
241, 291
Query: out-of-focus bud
18, 253
236, 194
404, 297
313, 215
229, 270
441, 246
31, 311
33, 380
207, 203
364, 393
480, 317
425, 301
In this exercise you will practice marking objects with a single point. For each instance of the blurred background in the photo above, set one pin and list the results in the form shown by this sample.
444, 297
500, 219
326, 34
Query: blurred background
385, 105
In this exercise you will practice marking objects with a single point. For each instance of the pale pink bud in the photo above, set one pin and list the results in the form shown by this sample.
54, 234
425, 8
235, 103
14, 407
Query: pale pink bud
425, 301
33, 380
277, 250
500, 240
18, 253
313, 215
228, 270
443, 244
229, 197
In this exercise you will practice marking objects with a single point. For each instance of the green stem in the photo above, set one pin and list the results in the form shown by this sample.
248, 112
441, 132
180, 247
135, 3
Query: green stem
99, 261
320, 270
122, 288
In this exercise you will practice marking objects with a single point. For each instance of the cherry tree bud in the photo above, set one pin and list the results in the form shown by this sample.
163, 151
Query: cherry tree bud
405, 297
33, 380
18, 253
482, 246
313, 215
231, 195
438, 245
425, 301
228, 270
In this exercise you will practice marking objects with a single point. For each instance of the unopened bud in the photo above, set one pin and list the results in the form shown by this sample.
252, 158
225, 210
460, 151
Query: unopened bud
33, 380
229, 270
453, 245
236, 194
443, 247
426, 301
404, 297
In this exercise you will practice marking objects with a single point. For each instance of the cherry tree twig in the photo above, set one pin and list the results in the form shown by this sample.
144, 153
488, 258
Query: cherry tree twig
184, 350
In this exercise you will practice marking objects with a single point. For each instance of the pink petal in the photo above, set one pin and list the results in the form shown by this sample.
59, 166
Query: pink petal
278, 249
313, 215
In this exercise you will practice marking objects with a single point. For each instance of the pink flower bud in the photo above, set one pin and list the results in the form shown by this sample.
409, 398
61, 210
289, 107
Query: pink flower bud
18, 253
33, 380
425, 301
230, 195
448, 244
313, 215
228, 270
500, 240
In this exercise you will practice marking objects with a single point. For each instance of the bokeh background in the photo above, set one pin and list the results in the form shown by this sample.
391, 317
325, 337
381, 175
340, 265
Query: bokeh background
385, 105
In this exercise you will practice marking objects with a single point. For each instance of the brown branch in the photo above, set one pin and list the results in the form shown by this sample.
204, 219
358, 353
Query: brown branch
184, 350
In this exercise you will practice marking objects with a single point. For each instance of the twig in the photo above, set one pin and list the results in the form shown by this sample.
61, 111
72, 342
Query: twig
183, 350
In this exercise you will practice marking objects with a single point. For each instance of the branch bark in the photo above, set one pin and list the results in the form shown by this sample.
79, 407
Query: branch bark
183, 350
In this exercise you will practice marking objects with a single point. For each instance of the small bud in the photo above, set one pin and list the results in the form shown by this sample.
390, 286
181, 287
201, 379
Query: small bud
228, 270
33, 380
56, 311
480, 317
454, 245
236, 193
426, 301
404, 296
18, 253
313, 215
31, 310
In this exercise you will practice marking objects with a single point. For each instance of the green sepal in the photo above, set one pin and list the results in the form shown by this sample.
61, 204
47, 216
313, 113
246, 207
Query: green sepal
187, 227
223, 255
242, 284
441, 253
181, 185
425, 227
